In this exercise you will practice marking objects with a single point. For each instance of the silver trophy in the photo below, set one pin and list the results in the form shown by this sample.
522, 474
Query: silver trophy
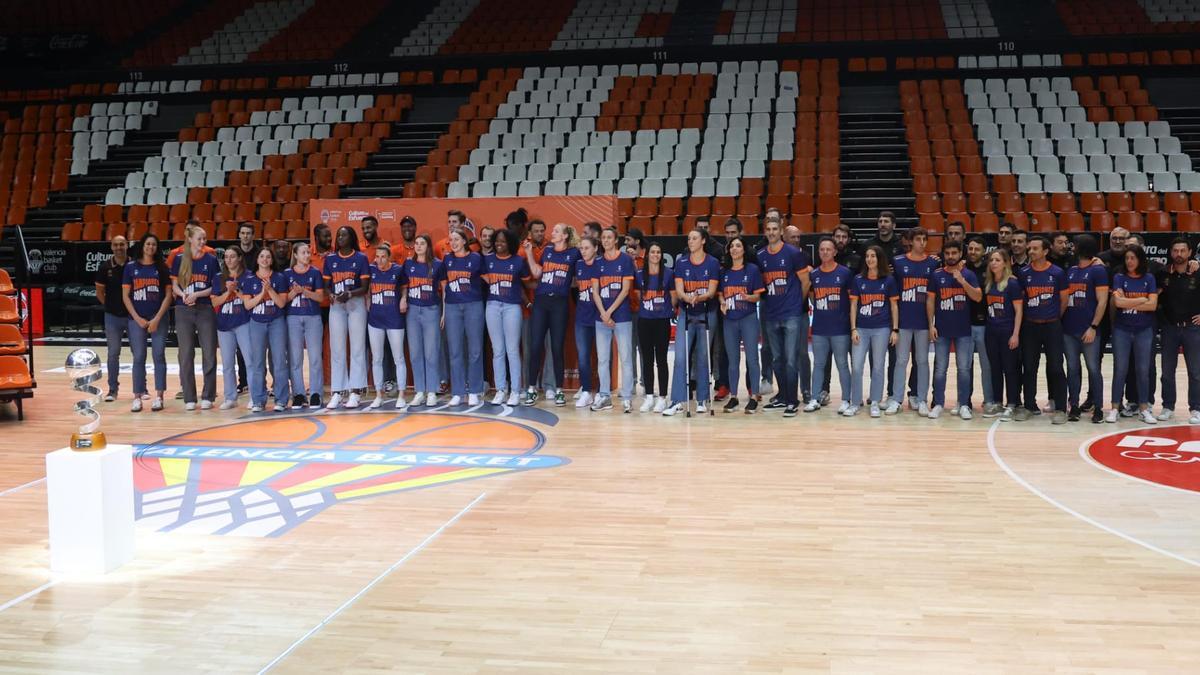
83, 367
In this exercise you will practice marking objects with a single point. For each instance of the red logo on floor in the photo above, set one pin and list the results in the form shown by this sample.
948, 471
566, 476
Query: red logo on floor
1166, 455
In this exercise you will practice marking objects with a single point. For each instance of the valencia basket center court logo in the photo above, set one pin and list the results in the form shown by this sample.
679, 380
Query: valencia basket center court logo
263, 477
1167, 456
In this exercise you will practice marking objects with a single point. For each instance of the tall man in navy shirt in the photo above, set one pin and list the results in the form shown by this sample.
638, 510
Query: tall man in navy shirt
1045, 285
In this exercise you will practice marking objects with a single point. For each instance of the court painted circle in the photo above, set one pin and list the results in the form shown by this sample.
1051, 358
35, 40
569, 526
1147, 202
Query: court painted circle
1168, 456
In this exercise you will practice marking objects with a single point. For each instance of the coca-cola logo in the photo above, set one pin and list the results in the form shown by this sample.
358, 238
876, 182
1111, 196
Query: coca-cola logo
1167, 455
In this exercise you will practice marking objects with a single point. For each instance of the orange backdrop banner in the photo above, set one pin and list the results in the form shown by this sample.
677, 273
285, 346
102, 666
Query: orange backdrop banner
430, 213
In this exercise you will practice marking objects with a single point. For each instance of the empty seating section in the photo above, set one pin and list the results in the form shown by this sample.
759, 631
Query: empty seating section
114, 22
1055, 150
1172, 11
1024, 61
246, 33
261, 161
102, 126
500, 26
390, 79
319, 32
947, 171
968, 19
759, 138
768, 21
605, 24
432, 32
1128, 17
175, 41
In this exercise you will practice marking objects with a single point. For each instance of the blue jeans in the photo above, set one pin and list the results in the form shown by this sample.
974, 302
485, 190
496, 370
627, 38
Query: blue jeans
979, 336
839, 347
585, 346
1141, 344
964, 360
504, 330
425, 346
114, 329
137, 345
262, 333
765, 356
464, 332
230, 342
380, 339
1073, 348
910, 340
737, 332
874, 341
803, 363
784, 335
306, 332
695, 338
604, 338
1174, 337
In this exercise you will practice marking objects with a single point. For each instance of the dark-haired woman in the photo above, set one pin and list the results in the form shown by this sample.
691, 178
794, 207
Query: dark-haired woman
587, 274
614, 320
696, 277
657, 283
463, 320
146, 293
233, 321
424, 320
874, 324
305, 330
264, 293
741, 288
505, 272
346, 273
385, 322
1135, 296
831, 322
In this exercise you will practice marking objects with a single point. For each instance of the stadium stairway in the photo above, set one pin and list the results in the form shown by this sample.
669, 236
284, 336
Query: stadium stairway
377, 39
1185, 125
397, 161
874, 170
694, 23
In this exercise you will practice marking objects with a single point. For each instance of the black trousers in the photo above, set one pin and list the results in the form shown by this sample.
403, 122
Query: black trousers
654, 336
1037, 339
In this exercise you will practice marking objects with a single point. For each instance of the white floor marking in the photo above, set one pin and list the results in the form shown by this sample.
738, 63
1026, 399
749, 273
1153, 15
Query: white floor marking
18, 600
22, 487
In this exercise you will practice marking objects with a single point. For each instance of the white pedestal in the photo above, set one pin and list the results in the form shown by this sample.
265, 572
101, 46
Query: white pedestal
90, 497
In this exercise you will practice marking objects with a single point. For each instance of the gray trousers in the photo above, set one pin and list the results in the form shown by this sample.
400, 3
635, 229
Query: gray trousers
197, 324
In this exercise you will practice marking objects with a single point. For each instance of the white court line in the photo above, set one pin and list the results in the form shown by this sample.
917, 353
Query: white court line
31, 483
30, 594
991, 438
417, 549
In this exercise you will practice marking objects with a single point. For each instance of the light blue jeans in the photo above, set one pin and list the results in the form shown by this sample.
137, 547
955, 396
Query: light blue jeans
114, 329
273, 332
504, 330
839, 347
1073, 348
695, 335
737, 332
964, 348
137, 345
604, 338
464, 333
874, 340
978, 334
425, 346
395, 338
306, 332
1141, 343
348, 342
911, 340
230, 342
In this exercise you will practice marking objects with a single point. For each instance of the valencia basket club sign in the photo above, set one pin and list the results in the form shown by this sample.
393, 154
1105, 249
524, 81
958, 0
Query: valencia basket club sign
1167, 456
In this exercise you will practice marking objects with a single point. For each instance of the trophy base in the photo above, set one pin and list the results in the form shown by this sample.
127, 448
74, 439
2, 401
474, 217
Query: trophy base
88, 442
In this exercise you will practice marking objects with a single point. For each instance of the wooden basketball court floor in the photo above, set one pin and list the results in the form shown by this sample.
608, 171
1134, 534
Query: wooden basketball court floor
716, 544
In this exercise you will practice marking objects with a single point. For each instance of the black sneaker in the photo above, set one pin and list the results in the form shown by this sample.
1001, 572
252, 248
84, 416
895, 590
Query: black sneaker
1074, 415
314, 402
1097, 416
774, 404
1087, 406
751, 406
731, 404
790, 410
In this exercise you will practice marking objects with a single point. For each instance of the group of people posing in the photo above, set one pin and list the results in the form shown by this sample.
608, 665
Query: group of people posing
868, 309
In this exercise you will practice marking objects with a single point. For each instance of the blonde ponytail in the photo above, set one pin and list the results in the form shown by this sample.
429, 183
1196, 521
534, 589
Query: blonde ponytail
185, 260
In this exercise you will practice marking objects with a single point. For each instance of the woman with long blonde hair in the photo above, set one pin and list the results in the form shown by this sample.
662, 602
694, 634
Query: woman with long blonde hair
192, 274
554, 271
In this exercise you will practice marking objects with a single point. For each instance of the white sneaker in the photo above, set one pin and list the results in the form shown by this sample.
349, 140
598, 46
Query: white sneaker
228, 405
849, 411
875, 409
575, 396
189, 406
335, 401
1111, 417
137, 404
602, 402
550, 392
824, 399
627, 406
454, 400
472, 399
498, 399
256, 409
419, 399
765, 387
701, 408
673, 410
584, 400
157, 404
352, 400
279, 407
401, 404
965, 412
1165, 415
893, 408
912, 402
1148, 417
923, 409
813, 406
1195, 417
206, 405
378, 402
514, 399
660, 404
647, 404
844, 407
934, 412
431, 399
